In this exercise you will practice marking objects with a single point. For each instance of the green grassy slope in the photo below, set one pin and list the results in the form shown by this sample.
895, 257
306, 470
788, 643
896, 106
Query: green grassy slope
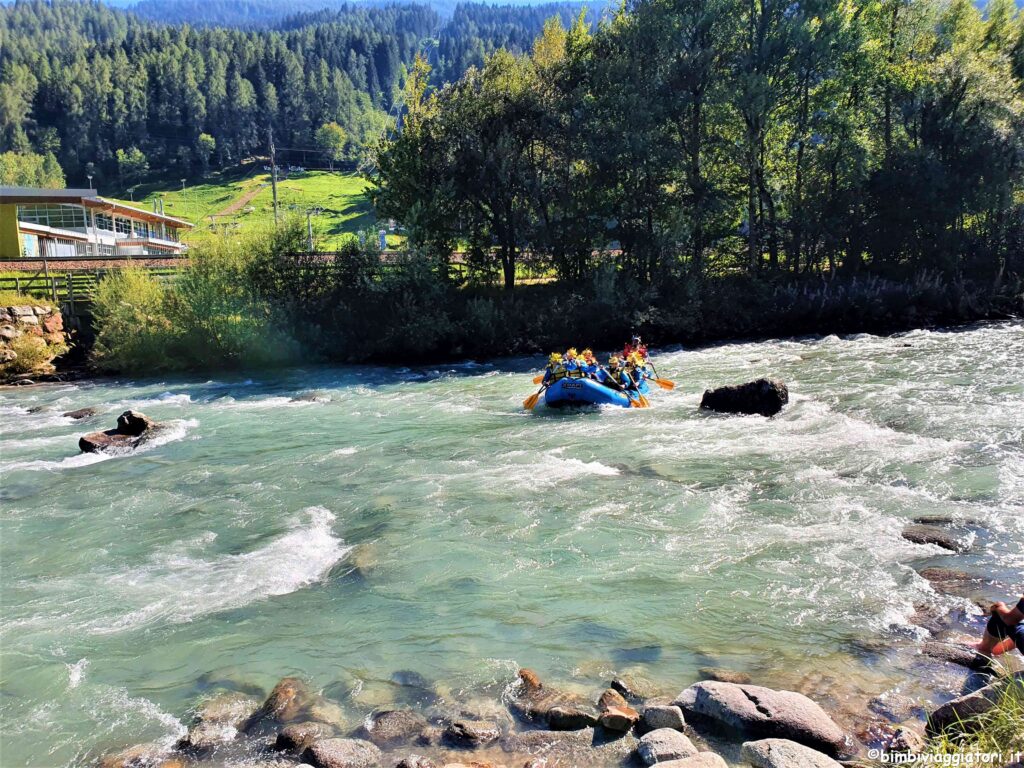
247, 197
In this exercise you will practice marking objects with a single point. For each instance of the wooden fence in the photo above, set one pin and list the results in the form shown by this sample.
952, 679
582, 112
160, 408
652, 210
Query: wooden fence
73, 287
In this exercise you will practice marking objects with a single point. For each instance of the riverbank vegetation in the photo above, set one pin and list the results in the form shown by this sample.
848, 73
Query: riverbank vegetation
710, 139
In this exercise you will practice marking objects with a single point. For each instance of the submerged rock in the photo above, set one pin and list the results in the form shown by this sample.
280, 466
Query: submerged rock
416, 761
289, 700
141, 756
764, 396
766, 712
895, 706
297, 737
393, 726
132, 430
218, 721
723, 675
343, 753
664, 744
80, 413
536, 701
471, 733
952, 581
781, 753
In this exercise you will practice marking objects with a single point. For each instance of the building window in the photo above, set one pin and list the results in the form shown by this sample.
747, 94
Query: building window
123, 227
53, 215
105, 222
139, 229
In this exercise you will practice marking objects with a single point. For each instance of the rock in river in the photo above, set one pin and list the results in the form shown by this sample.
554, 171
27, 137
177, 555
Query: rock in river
764, 396
765, 712
664, 744
394, 726
657, 716
535, 703
700, 760
940, 537
963, 712
471, 733
780, 753
343, 753
132, 430
80, 413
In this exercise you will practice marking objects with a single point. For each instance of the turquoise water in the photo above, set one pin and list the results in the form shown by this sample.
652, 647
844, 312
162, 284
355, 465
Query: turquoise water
421, 520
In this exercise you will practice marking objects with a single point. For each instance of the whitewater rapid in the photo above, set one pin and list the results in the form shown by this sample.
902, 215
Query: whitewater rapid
345, 523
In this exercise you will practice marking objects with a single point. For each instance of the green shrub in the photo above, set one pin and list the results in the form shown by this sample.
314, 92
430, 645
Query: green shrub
210, 316
999, 730
33, 354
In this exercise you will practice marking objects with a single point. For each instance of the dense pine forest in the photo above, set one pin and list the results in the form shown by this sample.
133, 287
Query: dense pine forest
109, 94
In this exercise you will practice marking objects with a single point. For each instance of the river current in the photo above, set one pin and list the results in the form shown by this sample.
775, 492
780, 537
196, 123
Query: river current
345, 524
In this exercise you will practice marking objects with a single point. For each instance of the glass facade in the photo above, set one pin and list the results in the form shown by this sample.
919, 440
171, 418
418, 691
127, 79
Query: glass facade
110, 228
53, 215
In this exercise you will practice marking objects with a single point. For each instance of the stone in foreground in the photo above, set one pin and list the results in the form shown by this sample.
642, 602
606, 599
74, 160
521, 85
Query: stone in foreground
764, 397
619, 719
663, 745
132, 430
962, 713
781, 753
297, 737
700, 760
656, 717
343, 753
766, 713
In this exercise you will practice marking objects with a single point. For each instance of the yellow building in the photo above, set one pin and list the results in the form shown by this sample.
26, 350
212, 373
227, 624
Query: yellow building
78, 223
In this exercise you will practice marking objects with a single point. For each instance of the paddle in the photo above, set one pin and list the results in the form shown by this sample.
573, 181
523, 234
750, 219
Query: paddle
538, 379
663, 383
531, 401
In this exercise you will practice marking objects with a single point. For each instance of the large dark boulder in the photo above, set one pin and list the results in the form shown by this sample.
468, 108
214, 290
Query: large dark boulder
766, 713
764, 396
132, 430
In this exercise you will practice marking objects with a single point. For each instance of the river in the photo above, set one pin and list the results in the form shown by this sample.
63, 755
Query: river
420, 520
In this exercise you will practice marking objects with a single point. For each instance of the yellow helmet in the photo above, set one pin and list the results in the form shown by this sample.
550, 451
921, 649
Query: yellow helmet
614, 361
635, 359
570, 352
587, 354
556, 357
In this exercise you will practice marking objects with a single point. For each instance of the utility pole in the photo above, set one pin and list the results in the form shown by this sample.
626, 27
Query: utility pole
273, 171
310, 213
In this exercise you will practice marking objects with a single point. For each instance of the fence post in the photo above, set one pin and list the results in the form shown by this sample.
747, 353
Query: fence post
71, 290
53, 289
17, 284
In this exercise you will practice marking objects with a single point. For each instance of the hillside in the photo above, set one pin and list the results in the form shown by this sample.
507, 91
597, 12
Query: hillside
242, 201
125, 99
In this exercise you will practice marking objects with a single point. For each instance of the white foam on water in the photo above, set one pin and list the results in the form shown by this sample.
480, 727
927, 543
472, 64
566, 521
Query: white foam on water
347, 451
178, 587
76, 672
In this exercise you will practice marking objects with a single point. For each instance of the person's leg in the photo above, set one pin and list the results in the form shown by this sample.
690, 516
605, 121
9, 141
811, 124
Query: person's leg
994, 638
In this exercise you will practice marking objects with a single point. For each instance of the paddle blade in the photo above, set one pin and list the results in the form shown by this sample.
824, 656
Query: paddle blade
644, 402
665, 383
531, 401
538, 379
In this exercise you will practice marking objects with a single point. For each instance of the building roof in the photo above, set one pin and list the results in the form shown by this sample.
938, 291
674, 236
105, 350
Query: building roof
87, 198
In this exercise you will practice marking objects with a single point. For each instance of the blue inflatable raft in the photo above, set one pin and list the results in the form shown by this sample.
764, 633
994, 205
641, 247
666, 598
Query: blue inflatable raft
569, 391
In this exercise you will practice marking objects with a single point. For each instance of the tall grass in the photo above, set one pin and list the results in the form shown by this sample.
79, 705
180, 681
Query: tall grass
1000, 730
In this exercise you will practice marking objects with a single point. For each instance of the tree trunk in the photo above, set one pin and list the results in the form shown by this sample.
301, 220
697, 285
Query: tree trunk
508, 266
